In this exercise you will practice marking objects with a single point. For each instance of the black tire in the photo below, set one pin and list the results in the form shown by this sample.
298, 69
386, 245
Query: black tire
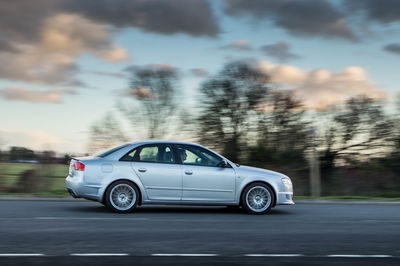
258, 186
112, 205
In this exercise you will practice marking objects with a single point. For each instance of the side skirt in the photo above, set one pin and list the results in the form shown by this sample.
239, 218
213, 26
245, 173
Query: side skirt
195, 203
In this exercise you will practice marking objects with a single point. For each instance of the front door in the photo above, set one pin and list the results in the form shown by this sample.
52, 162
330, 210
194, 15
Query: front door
203, 178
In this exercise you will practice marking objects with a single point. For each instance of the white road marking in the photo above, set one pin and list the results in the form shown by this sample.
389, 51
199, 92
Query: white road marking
98, 254
273, 255
184, 255
358, 256
90, 218
202, 255
163, 219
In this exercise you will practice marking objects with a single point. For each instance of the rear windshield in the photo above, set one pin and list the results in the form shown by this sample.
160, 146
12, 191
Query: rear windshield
106, 153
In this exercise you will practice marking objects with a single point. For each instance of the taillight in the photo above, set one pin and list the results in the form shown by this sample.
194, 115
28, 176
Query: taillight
78, 166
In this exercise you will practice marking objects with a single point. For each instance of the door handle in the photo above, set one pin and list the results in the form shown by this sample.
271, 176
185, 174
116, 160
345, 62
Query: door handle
142, 170
188, 172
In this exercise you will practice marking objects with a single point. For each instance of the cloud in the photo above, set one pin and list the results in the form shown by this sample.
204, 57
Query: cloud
114, 74
192, 17
51, 59
383, 11
199, 72
16, 29
302, 18
239, 45
33, 64
320, 88
43, 46
70, 91
159, 16
165, 69
5, 45
72, 34
279, 50
141, 86
14, 93
392, 48
140, 93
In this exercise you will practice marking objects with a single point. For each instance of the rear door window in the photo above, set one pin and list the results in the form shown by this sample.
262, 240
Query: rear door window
158, 153
148, 154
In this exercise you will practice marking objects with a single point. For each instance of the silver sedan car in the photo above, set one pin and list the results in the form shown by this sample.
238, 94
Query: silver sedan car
160, 172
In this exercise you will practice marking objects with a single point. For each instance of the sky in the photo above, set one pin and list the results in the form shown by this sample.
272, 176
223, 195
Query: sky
65, 63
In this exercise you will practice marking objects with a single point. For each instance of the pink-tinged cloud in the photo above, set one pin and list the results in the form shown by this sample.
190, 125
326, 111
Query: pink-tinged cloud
51, 58
239, 45
141, 93
14, 93
72, 34
320, 88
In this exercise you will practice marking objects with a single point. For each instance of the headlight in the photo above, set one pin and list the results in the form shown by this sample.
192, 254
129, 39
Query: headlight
288, 183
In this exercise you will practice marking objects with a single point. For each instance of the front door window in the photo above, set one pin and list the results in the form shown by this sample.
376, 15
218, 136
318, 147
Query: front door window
193, 155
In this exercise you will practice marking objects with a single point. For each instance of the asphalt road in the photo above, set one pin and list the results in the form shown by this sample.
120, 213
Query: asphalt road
40, 232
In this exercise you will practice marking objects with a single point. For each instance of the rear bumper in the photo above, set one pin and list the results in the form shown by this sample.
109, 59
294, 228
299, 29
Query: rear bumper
77, 188
284, 198
72, 193
73, 185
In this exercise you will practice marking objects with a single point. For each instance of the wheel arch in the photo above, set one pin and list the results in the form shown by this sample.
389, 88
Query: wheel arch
259, 181
126, 180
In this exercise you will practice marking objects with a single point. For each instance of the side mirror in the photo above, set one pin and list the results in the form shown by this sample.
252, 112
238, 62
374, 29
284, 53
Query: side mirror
223, 164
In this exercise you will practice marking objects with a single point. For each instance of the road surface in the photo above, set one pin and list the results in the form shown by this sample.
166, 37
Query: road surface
304, 234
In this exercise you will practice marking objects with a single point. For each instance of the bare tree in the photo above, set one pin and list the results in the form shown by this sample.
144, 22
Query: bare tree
227, 105
393, 158
282, 130
1, 146
105, 133
153, 90
361, 130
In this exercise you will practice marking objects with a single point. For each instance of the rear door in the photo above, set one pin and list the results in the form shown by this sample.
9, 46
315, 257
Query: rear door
203, 177
157, 169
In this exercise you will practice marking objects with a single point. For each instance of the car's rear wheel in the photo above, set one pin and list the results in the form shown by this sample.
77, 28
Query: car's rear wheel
257, 198
122, 196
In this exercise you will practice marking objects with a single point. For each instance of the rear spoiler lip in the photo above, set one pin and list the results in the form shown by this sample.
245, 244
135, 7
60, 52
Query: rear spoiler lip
82, 159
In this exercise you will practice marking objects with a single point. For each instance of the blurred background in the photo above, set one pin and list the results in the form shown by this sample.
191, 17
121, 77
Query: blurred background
306, 88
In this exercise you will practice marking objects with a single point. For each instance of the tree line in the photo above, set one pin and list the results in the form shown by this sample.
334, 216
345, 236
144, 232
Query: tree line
23, 154
240, 113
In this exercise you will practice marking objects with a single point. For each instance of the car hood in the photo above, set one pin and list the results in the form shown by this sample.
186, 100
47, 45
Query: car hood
248, 170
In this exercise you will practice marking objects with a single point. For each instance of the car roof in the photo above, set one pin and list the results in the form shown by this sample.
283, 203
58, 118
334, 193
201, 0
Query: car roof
128, 146
162, 141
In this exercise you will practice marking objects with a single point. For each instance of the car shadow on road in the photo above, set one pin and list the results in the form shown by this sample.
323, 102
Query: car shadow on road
196, 209
177, 209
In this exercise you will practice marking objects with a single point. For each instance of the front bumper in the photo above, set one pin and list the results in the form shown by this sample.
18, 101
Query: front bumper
284, 198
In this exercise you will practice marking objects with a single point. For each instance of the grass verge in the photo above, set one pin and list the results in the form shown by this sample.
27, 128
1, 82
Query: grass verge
53, 193
347, 198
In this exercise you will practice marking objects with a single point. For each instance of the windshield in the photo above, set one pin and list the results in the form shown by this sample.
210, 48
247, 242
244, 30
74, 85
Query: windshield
108, 152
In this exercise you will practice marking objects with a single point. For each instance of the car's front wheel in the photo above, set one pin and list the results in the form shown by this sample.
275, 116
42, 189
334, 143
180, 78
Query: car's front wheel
122, 196
257, 198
